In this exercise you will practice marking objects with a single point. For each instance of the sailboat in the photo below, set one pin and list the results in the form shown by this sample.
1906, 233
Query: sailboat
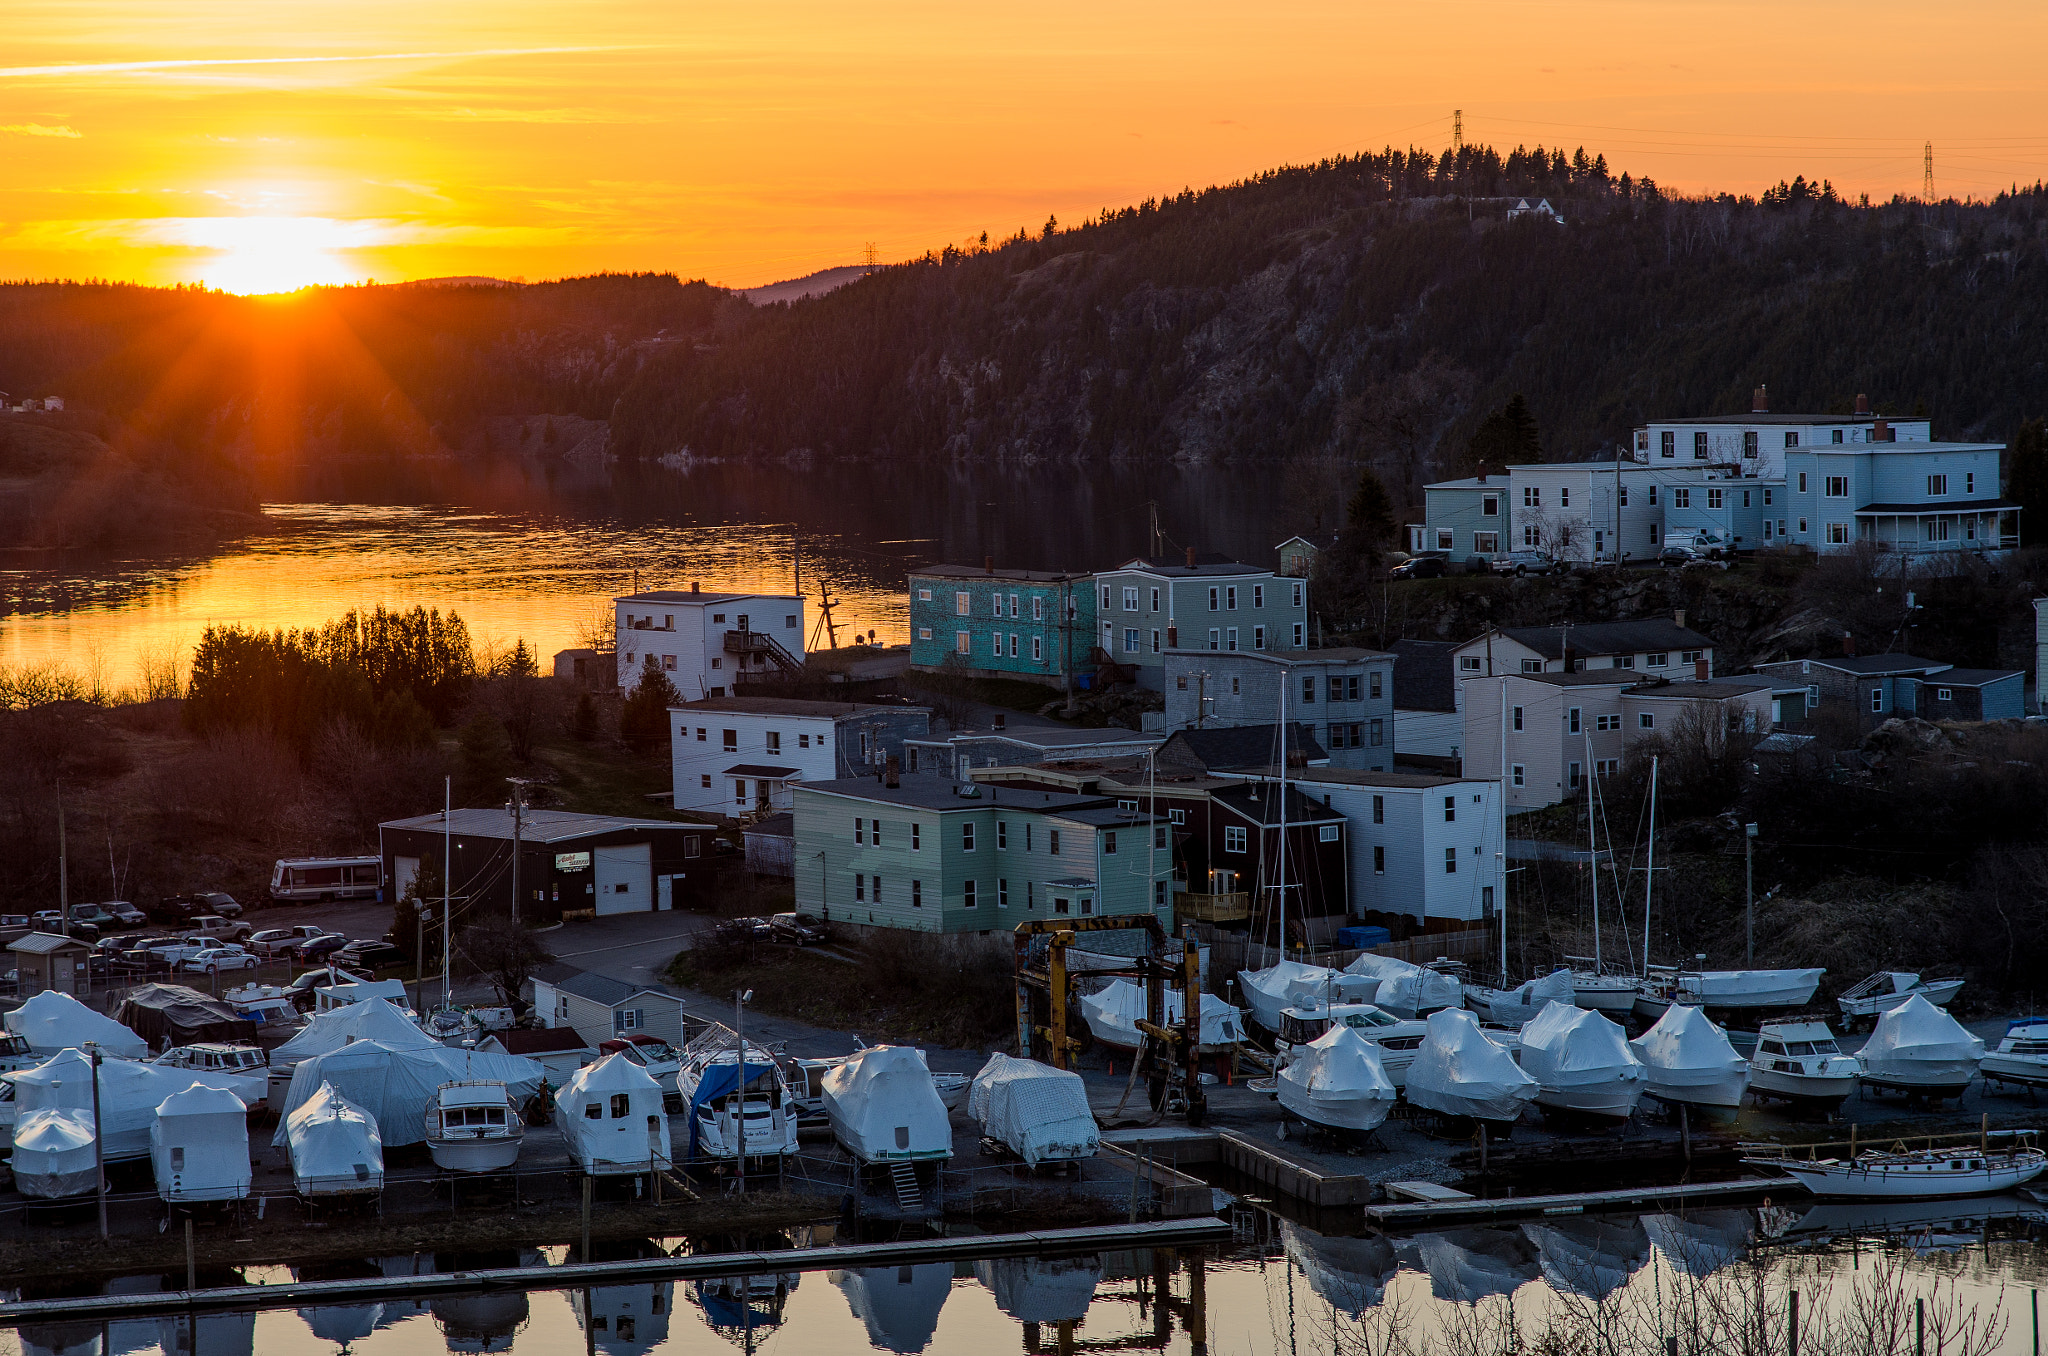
1593, 986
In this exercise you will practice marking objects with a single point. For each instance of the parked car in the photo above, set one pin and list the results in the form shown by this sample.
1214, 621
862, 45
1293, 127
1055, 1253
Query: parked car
213, 925
369, 955
804, 929
300, 990
126, 914
275, 941
116, 966
1529, 562
93, 914
316, 949
178, 950
220, 902
49, 920
1685, 558
214, 959
175, 910
735, 930
1421, 567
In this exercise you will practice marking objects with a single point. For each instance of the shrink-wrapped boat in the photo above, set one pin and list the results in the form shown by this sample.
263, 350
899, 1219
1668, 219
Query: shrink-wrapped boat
1337, 1082
883, 1107
1582, 1063
1690, 1063
1038, 1112
1917, 1048
1460, 1071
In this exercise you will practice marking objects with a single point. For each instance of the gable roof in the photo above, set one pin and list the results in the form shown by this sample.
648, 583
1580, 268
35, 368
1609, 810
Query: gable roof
1865, 665
597, 988
1260, 803
1974, 677
536, 826
1601, 638
1425, 675
1238, 746
549, 1040
1206, 563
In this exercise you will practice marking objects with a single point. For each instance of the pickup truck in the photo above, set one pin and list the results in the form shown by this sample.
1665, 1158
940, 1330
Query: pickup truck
214, 926
125, 914
49, 920
181, 949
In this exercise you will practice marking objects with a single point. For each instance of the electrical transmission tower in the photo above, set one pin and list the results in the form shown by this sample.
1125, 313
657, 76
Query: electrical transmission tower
1457, 130
869, 254
1927, 173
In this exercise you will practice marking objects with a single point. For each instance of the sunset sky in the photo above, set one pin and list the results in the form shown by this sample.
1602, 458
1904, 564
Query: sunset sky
266, 145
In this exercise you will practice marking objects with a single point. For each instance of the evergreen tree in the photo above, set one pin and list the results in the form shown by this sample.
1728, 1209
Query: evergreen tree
416, 915
643, 720
2026, 479
486, 760
1507, 437
1369, 517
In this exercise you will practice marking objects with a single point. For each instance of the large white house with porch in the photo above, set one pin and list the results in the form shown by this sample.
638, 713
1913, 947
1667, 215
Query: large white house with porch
707, 643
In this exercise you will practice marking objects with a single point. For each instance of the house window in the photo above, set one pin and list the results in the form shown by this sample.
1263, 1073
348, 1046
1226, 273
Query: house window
1606, 724
774, 741
1802, 482
1379, 809
1838, 435
1937, 485
1532, 536
629, 1019
1038, 648
1606, 767
732, 741
1469, 663
1233, 838
1328, 833
1532, 666
1155, 600
705, 780
1838, 534
1159, 839
1052, 842
1234, 687
857, 830
1667, 444
860, 886
1681, 498
701, 732
1645, 721
924, 595
963, 605
1745, 498
1338, 737
1690, 656
1699, 447
1258, 595
962, 642
1372, 685
1105, 597
1109, 842
1258, 637
803, 741
1564, 496
1308, 689
967, 895
917, 894
739, 791
668, 663
1518, 717
1130, 600
1297, 595
1215, 599
1837, 487
1573, 772
1656, 659
1571, 720
1714, 498
1297, 635
1749, 443
1450, 809
967, 836
1215, 639
1230, 638
1130, 640
1515, 774
1230, 597
1486, 901
1378, 733
1877, 699
1532, 496
1177, 816
1379, 860
1791, 439
1942, 694
1038, 607
916, 836
1489, 506
1624, 496
875, 888
1013, 644
1969, 482
1002, 892
1444, 540
1450, 861
1486, 543
1802, 527
1624, 661
1653, 498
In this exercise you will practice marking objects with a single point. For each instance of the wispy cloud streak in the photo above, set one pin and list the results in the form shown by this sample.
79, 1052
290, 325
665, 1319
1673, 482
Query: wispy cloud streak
193, 63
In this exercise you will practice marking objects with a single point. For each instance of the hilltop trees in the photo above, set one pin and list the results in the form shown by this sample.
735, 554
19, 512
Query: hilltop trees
1507, 437
643, 718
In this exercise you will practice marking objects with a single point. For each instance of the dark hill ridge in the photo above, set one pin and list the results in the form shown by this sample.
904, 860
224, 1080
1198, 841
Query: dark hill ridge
1375, 307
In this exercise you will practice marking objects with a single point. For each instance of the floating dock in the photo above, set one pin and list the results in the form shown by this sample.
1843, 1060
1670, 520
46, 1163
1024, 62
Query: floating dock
1412, 1215
1043, 1242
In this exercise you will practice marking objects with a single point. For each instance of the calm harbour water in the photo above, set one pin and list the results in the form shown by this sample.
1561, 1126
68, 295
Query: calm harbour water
523, 550
1282, 1290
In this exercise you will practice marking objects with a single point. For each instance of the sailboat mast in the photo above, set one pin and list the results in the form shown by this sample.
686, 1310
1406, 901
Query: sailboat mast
1282, 938
1650, 870
1593, 846
1500, 790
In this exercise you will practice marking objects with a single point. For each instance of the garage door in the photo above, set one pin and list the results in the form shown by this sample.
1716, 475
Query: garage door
404, 871
623, 879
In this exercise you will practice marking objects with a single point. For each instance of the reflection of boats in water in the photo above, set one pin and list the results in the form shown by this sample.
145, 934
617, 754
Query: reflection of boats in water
1351, 1274
345, 1324
487, 1321
1041, 1289
1700, 1242
899, 1306
741, 1307
1589, 1255
228, 1334
1921, 1224
624, 1320
1470, 1264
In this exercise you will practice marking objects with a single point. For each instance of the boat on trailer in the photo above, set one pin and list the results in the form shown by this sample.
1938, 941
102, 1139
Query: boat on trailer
1887, 989
1799, 1062
472, 1126
2021, 1059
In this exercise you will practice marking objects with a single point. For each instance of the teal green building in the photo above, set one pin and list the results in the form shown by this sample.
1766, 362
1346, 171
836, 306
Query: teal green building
1037, 625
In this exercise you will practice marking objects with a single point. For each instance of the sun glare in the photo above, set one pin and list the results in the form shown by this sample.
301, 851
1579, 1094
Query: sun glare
257, 255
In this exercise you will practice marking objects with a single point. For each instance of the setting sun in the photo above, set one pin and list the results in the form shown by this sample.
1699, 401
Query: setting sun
256, 255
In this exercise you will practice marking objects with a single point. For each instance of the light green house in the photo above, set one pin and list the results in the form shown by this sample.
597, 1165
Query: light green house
931, 855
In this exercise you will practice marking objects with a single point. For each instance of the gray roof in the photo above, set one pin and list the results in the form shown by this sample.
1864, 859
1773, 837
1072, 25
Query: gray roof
692, 596
759, 770
42, 943
1585, 678
1864, 665
1206, 563
597, 988
1975, 677
1599, 638
537, 826
1425, 675
1236, 746
1713, 690
774, 826
1260, 803
788, 706
922, 791
979, 572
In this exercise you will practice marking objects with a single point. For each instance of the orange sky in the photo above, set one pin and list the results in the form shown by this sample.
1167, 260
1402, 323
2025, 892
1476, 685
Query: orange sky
255, 145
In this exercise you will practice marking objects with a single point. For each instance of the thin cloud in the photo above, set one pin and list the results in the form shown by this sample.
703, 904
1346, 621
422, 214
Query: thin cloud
37, 129
190, 63
568, 116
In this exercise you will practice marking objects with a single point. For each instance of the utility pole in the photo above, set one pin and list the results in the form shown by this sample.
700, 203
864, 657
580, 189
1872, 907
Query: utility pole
518, 808
447, 877
64, 881
1749, 893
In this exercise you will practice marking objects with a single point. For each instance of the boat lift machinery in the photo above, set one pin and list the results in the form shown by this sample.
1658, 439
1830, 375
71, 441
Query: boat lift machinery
1167, 1059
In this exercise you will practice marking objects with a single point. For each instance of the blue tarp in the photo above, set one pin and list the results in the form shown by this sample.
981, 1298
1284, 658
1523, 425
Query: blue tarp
1362, 937
718, 1080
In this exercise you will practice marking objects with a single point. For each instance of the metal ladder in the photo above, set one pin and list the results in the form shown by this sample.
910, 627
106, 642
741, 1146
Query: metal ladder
903, 1176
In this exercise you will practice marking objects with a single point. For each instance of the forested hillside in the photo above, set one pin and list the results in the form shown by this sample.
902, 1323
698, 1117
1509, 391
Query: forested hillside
1375, 308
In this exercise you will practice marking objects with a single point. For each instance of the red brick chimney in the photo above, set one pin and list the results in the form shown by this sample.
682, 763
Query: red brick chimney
1699, 670
1862, 404
1848, 644
695, 587
1760, 400
1191, 557
1882, 432
988, 564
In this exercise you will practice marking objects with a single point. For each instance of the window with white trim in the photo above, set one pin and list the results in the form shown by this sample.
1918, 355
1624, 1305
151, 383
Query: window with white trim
1937, 485
1233, 838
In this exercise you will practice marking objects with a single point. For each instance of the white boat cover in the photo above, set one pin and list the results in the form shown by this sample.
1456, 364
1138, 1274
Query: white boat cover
394, 1084
899, 1306
1040, 1112
1689, 1059
1113, 1014
609, 1141
1406, 989
374, 1020
1041, 1289
882, 1105
1291, 984
199, 1146
129, 1095
1918, 1042
1350, 1273
334, 1146
53, 1154
1532, 996
53, 1021
1565, 1047
1460, 1072
1337, 1081
1751, 988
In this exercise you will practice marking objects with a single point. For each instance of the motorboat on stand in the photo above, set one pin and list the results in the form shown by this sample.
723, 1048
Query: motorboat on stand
1461, 1071
710, 1079
474, 1126
1289, 983
1520, 1005
1113, 1014
1582, 1064
1924, 1174
1397, 1039
1338, 1083
1690, 1063
1919, 1050
1888, 988
2021, 1059
1800, 1063
1406, 989
1597, 990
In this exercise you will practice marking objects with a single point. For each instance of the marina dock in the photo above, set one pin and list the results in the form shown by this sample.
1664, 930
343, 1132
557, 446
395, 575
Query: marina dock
1416, 1214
